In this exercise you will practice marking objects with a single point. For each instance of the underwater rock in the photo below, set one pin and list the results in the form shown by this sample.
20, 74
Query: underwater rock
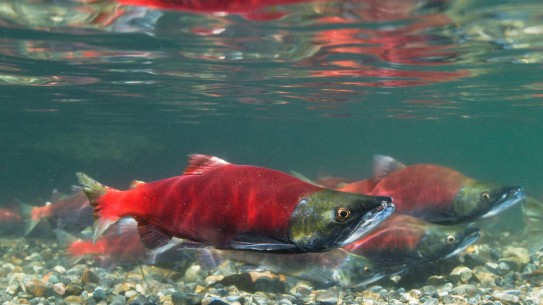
505, 298
327, 297
89, 276
35, 287
484, 276
181, 298
516, 258
461, 274
59, 288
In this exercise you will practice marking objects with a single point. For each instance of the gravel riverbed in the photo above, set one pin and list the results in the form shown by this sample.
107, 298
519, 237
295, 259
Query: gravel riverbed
37, 271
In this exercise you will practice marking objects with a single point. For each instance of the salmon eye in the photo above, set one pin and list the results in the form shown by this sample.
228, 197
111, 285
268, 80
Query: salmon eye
366, 269
342, 214
451, 239
485, 196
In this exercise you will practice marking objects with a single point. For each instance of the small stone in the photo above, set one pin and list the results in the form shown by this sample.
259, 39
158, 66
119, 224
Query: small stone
436, 280
73, 299
35, 256
137, 300
98, 294
302, 292
431, 301
429, 290
72, 289
118, 300
194, 273
461, 274
327, 297
516, 258
59, 288
130, 293
285, 302
35, 287
212, 279
505, 297
491, 266
463, 289
89, 277
181, 298
59, 269
484, 276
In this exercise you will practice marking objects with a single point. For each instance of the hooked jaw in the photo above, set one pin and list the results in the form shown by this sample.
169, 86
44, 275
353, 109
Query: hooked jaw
508, 196
371, 220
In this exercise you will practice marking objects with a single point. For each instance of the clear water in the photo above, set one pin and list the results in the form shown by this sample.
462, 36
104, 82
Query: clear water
125, 92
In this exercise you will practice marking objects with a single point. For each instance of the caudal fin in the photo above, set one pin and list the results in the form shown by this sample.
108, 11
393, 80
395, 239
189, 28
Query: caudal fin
94, 191
26, 212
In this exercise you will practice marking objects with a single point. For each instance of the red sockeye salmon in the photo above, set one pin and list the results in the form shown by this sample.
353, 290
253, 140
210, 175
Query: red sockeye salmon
240, 207
435, 193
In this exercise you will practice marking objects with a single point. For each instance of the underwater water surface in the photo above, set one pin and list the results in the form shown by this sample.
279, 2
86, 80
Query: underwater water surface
319, 87
126, 89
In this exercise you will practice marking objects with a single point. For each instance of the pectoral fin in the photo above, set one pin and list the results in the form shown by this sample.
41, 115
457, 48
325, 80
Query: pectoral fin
261, 243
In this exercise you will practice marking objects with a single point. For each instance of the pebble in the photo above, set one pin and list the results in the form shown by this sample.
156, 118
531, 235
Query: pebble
327, 297
484, 276
505, 298
461, 274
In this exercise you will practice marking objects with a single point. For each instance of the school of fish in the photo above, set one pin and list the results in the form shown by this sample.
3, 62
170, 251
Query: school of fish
349, 233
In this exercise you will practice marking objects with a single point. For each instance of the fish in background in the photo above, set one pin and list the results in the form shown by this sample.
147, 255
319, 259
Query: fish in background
241, 207
11, 220
404, 240
436, 193
119, 245
532, 210
251, 10
68, 212
398, 244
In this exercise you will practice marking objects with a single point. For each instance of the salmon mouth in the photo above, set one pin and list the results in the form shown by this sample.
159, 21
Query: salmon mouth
509, 197
370, 220
470, 236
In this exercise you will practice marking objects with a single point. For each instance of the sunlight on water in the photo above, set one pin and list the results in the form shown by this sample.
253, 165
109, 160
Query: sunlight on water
319, 55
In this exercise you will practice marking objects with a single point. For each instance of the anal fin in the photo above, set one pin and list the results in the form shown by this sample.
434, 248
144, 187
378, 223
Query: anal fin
151, 237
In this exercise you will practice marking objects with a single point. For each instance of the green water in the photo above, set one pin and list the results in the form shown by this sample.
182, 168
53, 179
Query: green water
443, 82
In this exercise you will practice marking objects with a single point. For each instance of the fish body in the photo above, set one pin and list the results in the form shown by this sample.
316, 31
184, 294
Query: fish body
435, 193
403, 240
241, 207
68, 212
399, 243
336, 267
532, 212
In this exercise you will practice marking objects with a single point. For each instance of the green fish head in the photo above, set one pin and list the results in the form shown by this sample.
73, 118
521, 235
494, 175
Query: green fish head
445, 241
357, 271
330, 219
477, 200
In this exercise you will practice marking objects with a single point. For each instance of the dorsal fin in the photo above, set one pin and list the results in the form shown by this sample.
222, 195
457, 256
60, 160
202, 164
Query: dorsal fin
136, 183
384, 165
199, 164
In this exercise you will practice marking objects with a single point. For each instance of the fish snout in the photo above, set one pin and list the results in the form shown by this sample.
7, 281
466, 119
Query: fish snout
515, 192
